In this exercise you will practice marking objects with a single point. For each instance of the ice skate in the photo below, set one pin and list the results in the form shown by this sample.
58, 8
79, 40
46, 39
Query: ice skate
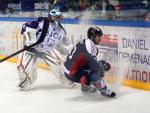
88, 89
108, 93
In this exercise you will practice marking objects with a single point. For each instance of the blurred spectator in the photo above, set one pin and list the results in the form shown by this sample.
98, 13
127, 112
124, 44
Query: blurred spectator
147, 3
147, 18
83, 4
130, 4
60, 5
109, 7
92, 4
3, 6
110, 10
9, 11
98, 4
27, 5
73, 5
51, 3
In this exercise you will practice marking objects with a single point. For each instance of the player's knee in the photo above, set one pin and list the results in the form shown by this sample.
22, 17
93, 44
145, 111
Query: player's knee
85, 80
95, 77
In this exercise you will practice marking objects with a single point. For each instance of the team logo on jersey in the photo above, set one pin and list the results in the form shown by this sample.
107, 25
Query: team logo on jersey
53, 34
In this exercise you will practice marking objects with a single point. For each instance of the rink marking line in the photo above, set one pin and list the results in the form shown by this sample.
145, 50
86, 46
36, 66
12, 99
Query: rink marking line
130, 83
137, 84
14, 60
110, 79
91, 21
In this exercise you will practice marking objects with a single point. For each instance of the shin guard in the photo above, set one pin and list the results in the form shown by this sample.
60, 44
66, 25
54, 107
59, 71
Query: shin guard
27, 70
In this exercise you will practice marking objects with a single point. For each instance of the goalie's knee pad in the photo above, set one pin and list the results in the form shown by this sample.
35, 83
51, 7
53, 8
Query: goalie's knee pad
27, 70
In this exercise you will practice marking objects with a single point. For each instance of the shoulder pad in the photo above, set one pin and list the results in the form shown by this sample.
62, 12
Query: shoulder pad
90, 47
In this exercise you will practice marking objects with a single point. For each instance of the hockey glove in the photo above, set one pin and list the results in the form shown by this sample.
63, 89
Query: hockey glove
104, 66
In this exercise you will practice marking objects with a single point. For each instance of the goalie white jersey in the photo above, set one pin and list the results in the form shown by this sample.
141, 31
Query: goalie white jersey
52, 38
54, 34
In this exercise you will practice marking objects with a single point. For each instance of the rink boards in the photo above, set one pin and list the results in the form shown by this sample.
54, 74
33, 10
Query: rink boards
125, 46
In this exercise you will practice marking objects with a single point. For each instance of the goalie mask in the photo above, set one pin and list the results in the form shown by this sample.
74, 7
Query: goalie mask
95, 34
55, 16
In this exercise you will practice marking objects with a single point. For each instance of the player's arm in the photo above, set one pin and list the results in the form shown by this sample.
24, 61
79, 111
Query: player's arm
95, 65
30, 29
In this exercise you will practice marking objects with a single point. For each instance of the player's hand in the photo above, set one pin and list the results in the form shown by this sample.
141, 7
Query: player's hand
104, 66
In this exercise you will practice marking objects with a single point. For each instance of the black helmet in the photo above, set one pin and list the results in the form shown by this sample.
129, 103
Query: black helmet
93, 31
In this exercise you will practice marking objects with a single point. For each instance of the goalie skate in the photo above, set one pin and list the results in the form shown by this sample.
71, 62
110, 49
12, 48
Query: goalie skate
25, 84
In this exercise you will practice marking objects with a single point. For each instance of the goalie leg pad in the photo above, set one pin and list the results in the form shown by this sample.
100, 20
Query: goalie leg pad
55, 64
27, 70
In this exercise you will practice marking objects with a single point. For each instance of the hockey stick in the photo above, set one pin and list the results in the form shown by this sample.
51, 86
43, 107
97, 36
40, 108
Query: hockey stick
44, 31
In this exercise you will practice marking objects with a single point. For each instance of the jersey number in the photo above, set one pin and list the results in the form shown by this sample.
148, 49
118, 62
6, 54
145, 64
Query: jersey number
72, 52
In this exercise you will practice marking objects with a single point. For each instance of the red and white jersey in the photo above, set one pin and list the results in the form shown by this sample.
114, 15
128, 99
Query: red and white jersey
83, 56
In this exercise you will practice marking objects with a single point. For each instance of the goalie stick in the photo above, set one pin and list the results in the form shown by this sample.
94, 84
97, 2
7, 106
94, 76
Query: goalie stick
44, 31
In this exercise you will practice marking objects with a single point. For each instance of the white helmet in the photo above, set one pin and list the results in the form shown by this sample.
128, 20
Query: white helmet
55, 15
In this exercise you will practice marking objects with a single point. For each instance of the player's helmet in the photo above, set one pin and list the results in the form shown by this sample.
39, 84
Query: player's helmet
55, 15
93, 31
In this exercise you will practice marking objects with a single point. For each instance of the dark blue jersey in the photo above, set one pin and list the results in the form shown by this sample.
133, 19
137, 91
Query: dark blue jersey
83, 56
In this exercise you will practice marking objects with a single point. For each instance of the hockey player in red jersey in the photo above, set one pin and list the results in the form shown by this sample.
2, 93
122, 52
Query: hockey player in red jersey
82, 66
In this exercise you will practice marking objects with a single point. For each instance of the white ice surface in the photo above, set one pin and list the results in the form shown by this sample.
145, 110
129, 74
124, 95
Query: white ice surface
48, 96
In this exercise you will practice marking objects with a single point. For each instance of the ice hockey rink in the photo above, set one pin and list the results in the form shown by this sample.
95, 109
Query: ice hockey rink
48, 96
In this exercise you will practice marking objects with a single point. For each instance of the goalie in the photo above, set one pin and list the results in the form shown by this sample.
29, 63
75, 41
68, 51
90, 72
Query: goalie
45, 50
83, 67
